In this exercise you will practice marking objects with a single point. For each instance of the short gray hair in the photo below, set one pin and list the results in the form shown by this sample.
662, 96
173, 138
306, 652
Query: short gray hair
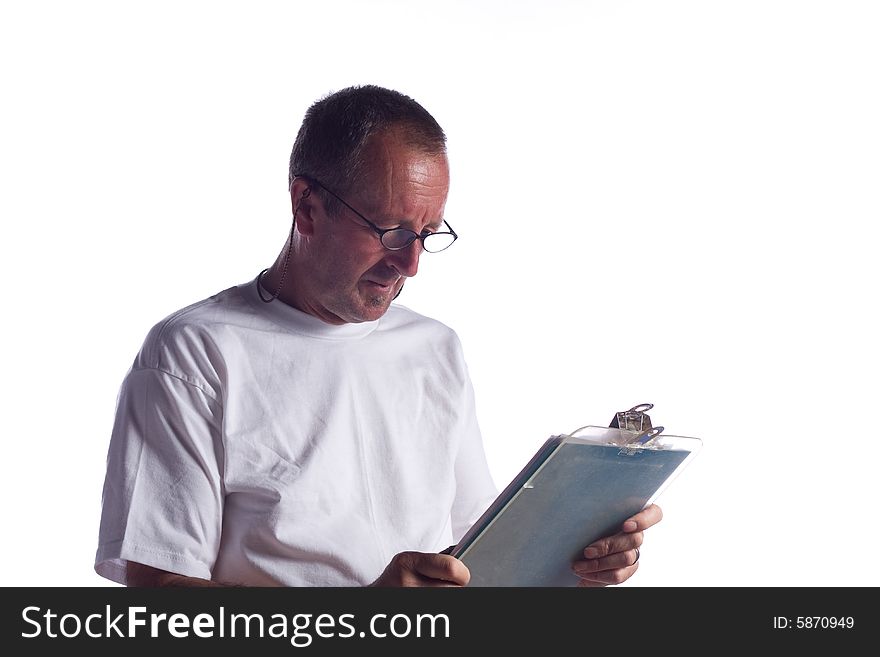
330, 143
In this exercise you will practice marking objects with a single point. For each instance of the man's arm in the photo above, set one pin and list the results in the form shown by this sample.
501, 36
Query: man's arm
137, 574
405, 569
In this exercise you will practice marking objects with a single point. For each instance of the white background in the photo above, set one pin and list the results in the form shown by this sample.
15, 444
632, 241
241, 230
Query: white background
669, 202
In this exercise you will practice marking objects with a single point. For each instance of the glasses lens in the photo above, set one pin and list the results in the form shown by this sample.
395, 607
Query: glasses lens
398, 238
438, 241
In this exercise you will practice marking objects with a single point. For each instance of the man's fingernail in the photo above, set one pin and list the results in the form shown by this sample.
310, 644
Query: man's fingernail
591, 553
630, 526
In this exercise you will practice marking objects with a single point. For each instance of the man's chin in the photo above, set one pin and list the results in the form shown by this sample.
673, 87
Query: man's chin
375, 300
367, 308
375, 307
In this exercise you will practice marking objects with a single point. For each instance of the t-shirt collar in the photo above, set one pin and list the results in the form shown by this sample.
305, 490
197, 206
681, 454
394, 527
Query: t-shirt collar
303, 323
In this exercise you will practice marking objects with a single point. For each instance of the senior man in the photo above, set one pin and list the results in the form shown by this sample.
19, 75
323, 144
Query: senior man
301, 429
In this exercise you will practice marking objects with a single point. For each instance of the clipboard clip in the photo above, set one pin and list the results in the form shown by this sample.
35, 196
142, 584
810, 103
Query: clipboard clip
637, 420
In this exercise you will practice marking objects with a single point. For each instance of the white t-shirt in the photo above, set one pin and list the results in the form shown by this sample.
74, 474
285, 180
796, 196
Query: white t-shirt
256, 444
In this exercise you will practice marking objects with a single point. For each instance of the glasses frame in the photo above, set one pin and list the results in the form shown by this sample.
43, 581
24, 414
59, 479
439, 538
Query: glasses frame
381, 232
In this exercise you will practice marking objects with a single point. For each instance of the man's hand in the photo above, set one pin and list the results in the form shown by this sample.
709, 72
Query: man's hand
424, 569
614, 559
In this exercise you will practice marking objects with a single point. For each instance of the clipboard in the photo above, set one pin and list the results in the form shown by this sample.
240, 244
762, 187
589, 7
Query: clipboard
577, 488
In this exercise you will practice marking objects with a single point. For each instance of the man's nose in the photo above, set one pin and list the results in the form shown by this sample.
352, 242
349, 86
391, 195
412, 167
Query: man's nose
406, 261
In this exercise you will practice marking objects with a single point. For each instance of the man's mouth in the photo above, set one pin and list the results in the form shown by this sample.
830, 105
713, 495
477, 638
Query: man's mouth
385, 285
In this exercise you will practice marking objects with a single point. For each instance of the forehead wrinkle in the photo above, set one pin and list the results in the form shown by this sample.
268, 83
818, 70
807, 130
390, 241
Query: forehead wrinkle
379, 173
394, 164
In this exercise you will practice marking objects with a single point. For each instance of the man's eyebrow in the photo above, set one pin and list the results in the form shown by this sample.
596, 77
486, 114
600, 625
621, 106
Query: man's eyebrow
435, 225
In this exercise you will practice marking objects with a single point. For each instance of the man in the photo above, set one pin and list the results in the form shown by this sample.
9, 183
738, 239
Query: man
299, 429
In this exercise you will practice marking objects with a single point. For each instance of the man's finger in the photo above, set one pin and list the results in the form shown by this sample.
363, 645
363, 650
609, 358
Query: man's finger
647, 517
608, 577
440, 566
614, 561
611, 544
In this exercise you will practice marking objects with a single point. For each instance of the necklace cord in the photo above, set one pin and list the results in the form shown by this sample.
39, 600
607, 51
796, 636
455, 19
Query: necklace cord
283, 266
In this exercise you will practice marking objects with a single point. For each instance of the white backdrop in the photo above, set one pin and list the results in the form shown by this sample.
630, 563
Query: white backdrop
659, 201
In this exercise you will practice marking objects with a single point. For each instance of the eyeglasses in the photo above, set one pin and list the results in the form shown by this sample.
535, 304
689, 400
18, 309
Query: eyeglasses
395, 239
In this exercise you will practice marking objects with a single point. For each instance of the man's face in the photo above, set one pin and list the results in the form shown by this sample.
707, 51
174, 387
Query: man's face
352, 277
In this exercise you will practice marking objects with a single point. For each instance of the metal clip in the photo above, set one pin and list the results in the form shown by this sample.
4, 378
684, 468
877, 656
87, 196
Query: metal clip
635, 419
640, 442
644, 438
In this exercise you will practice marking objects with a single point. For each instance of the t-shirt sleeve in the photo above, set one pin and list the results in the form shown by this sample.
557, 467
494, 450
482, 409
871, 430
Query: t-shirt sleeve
162, 502
475, 488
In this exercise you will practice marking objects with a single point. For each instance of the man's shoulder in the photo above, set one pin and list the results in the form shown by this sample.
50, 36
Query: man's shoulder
193, 327
216, 309
417, 330
399, 316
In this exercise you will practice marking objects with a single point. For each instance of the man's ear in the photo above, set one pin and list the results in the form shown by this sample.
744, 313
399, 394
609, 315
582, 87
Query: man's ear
300, 193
